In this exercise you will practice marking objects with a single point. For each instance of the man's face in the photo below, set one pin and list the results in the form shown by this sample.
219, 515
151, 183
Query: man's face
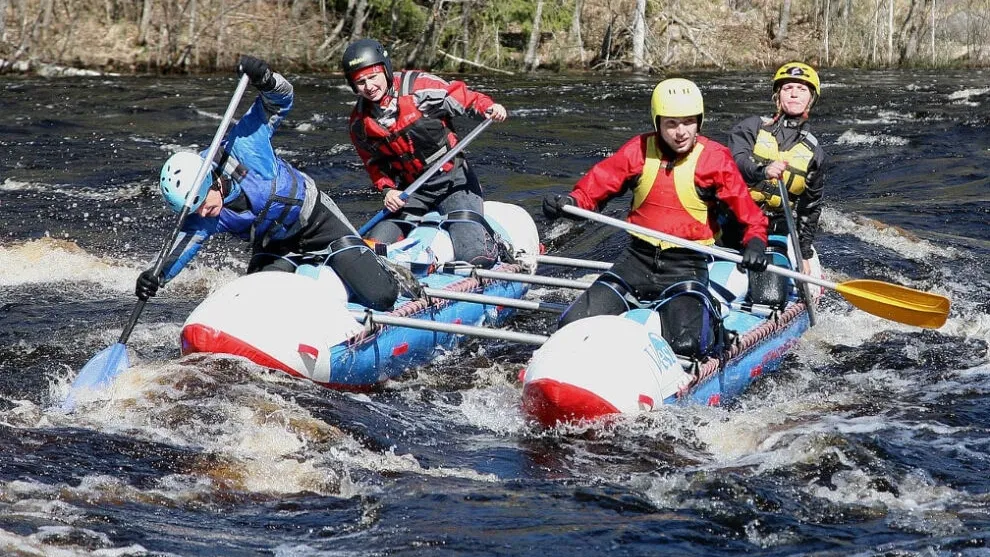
212, 205
372, 86
680, 134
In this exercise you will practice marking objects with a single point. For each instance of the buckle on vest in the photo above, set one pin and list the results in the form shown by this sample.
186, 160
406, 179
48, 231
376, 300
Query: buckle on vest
227, 164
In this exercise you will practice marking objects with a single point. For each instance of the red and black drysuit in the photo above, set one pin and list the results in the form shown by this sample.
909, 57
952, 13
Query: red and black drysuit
404, 134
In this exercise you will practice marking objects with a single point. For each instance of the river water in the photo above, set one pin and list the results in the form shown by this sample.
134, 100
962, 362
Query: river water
872, 440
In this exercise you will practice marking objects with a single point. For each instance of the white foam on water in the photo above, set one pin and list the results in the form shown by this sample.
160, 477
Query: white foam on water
764, 440
492, 404
540, 293
840, 324
769, 539
877, 233
967, 316
390, 462
50, 541
34, 501
881, 117
30, 499
251, 439
965, 96
559, 228
796, 423
50, 260
209, 115
172, 148
961, 384
537, 112
303, 550
103, 193
10, 184
850, 137
916, 494
339, 148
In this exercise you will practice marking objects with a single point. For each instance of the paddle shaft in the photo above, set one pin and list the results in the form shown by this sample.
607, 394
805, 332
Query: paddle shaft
714, 252
571, 262
200, 176
494, 300
452, 328
809, 300
427, 174
519, 277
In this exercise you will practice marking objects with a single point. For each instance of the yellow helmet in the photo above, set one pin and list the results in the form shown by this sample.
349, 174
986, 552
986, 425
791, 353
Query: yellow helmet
796, 71
677, 98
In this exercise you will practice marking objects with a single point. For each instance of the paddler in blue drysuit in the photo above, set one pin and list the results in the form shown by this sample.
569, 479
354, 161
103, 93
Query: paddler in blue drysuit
262, 199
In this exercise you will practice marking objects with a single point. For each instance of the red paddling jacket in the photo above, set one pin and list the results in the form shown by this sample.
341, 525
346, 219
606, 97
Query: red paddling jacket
404, 133
673, 196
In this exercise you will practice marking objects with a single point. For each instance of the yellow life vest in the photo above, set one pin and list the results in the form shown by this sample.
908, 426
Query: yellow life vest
674, 193
766, 194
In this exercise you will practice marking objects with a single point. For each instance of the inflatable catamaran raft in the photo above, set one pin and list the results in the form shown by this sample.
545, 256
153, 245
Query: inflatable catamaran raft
622, 364
309, 330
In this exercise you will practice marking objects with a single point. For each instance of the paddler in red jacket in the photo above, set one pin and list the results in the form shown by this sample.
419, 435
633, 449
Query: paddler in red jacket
676, 176
400, 125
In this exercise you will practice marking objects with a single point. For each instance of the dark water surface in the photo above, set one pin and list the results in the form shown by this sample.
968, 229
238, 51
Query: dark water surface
873, 440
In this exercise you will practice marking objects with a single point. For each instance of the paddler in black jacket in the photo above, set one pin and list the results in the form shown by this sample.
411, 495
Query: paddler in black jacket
783, 148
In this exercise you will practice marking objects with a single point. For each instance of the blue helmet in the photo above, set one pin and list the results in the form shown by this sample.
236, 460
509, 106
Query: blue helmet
176, 182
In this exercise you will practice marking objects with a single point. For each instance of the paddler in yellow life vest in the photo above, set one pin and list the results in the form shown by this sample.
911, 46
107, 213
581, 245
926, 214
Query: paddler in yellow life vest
783, 148
676, 176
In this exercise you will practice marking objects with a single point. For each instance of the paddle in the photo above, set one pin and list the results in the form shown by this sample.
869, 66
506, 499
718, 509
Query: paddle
890, 301
809, 300
427, 175
112, 361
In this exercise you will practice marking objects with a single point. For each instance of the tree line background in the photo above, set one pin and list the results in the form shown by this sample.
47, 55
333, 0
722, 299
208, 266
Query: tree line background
508, 36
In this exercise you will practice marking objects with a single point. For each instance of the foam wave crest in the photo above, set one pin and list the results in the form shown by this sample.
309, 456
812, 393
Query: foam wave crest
850, 137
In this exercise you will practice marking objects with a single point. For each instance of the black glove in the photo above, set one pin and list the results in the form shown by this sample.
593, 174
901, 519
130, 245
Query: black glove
553, 204
258, 71
147, 285
754, 257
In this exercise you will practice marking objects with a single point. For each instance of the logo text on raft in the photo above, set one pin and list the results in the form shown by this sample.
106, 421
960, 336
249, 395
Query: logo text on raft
661, 354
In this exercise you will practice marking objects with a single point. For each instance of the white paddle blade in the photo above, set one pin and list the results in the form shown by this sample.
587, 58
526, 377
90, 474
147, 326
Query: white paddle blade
98, 372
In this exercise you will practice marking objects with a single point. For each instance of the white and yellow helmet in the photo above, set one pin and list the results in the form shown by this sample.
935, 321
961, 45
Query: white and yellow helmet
677, 98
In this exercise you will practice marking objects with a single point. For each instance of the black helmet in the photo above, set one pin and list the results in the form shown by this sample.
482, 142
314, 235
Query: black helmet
364, 53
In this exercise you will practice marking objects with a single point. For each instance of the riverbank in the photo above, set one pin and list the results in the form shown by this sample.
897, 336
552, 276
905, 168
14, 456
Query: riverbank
512, 37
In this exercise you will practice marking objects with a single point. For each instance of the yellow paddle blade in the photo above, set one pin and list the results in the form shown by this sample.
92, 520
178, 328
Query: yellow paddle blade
896, 302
